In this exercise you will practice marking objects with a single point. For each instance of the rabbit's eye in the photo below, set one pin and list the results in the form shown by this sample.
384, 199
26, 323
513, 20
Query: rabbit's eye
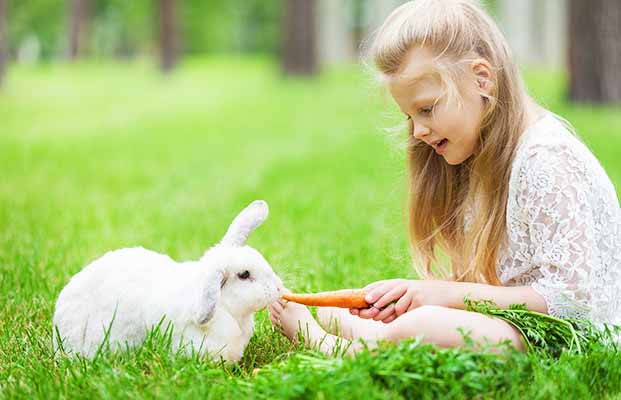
244, 275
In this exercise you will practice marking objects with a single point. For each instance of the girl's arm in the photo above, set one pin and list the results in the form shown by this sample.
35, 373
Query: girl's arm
392, 298
503, 296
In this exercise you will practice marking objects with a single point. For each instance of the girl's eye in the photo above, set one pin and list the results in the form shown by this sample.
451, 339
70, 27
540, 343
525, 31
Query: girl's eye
244, 275
425, 111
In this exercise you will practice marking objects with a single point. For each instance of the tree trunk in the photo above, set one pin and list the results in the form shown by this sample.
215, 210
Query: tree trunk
595, 51
4, 54
335, 43
299, 53
168, 48
78, 16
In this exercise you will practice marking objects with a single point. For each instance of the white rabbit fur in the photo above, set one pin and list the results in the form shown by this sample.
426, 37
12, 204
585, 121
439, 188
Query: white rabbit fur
209, 302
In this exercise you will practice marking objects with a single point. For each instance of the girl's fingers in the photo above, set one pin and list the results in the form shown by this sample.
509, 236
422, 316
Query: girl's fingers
394, 294
385, 313
390, 319
403, 305
376, 293
368, 313
354, 311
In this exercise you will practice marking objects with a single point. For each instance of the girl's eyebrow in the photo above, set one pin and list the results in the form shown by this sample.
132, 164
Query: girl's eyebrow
416, 79
421, 99
411, 82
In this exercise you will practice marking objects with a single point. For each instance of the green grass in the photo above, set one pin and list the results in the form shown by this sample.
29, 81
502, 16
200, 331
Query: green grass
97, 157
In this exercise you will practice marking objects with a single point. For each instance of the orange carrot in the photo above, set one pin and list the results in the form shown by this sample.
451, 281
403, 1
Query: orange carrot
346, 298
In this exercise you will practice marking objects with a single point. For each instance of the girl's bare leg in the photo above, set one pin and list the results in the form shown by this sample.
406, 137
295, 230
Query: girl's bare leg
438, 325
441, 325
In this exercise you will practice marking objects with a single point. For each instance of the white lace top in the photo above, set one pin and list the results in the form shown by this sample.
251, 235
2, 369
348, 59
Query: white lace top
563, 226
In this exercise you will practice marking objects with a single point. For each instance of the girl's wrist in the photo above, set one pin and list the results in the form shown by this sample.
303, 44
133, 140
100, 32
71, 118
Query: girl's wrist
449, 294
460, 290
503, 296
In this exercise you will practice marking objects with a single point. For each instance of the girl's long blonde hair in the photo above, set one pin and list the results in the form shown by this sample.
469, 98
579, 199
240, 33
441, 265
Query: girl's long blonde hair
458, 31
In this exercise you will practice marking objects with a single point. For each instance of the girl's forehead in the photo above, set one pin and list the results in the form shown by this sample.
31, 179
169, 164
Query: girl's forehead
421, 83
417, 62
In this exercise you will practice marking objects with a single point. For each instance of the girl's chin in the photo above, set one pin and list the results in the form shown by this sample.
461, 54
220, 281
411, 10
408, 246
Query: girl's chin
452, 160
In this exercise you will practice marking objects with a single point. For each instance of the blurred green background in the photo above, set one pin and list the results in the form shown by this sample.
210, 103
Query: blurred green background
110, 145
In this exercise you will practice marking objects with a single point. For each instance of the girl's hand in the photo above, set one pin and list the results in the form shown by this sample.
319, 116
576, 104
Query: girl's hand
372, 289
392, 298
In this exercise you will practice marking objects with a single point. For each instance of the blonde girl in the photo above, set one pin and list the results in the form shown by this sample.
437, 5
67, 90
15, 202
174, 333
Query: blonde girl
523, 209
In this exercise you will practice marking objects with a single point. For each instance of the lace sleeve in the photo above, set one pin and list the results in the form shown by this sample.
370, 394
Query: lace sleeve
554, 191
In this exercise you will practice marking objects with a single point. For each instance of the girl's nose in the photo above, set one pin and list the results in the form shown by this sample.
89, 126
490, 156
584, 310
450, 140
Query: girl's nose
419, 130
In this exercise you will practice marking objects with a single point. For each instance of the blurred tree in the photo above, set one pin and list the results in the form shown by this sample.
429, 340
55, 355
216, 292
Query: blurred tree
41, 30
259, 30
3, 40
244, 26
299, 53
41, 22
203, 25
335, 43
79, 11
122, 28
168, 45
595, 50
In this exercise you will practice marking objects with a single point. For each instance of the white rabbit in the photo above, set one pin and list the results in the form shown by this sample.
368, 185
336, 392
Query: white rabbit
210, 303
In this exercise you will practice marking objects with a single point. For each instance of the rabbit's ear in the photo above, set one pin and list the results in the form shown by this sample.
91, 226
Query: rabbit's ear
209, 296
246, 222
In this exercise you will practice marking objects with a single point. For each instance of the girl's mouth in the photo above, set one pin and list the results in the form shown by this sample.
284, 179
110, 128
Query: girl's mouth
441, 147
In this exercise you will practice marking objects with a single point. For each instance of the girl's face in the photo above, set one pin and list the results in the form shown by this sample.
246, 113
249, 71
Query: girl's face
452, 129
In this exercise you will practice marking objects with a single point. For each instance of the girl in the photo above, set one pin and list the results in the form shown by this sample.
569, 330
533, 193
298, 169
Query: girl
524, 210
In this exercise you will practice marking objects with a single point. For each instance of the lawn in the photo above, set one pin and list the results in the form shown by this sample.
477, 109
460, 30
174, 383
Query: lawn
96, 157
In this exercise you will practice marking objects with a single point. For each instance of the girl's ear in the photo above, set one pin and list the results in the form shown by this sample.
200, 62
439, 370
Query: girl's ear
482, 71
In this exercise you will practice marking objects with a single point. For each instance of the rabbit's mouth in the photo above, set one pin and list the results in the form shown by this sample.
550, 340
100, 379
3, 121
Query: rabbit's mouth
270, 297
